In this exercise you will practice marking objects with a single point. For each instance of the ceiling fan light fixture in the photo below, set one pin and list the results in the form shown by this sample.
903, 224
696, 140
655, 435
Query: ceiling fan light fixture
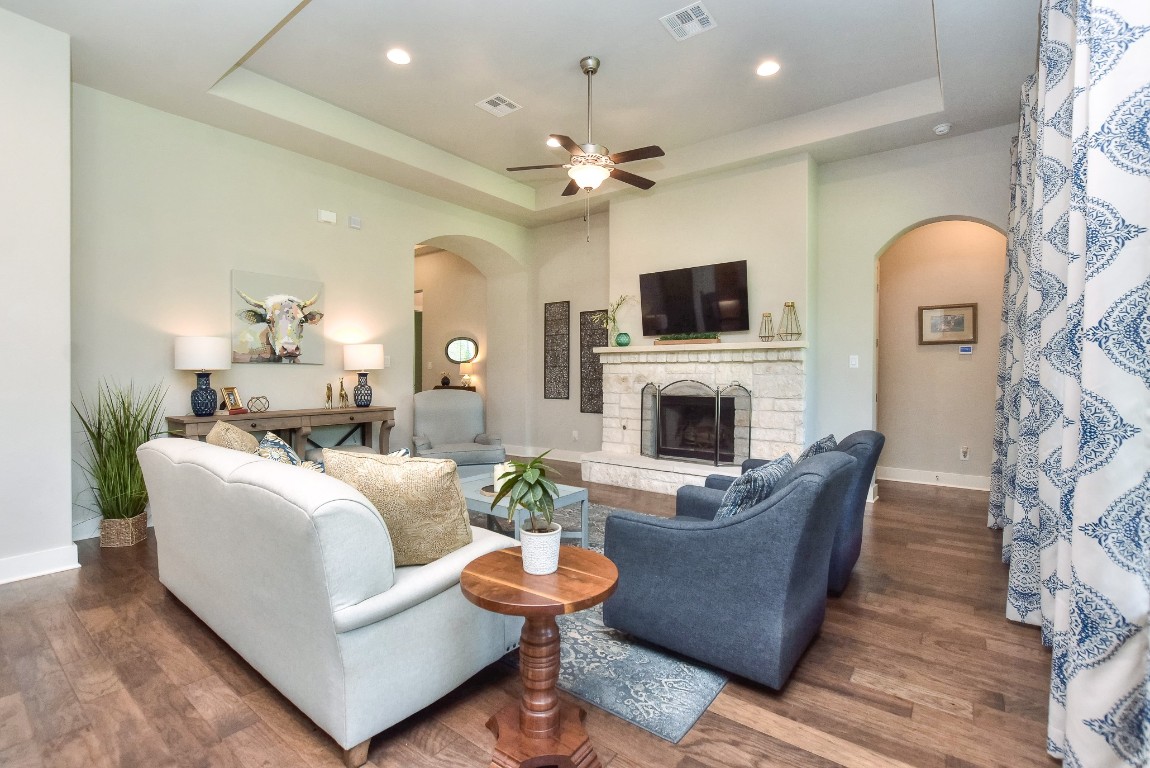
588, 176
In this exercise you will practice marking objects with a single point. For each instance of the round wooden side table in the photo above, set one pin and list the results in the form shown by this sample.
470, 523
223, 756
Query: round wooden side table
537, 731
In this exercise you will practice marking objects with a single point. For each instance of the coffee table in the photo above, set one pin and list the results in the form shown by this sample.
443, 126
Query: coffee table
569, 495
537, 730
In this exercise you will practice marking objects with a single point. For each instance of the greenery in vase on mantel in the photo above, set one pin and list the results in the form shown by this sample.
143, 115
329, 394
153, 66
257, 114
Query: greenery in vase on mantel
610, 320
689, 336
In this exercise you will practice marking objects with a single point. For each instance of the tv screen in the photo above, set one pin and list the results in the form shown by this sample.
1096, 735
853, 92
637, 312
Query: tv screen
695, 299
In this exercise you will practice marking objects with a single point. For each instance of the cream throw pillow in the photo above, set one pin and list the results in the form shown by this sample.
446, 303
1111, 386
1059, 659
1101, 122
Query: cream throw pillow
420, 500
225, 435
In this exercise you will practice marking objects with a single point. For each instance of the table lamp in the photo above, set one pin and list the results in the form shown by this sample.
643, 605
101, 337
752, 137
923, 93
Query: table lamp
203, 354
465, 370
362, 358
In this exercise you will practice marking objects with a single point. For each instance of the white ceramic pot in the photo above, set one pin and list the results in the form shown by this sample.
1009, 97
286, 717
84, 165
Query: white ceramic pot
540, 550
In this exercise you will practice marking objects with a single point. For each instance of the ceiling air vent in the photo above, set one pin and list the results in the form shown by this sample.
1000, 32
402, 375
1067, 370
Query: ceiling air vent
688, 22
498, 105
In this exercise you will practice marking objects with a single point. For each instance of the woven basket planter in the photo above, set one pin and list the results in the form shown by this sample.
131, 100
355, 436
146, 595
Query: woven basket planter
123, 532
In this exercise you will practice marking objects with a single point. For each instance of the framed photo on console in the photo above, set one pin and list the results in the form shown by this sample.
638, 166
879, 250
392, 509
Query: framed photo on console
232, 400
948, 324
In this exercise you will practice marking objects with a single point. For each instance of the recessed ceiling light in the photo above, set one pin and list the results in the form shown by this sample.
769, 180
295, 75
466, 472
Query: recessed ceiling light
552, 142
767, 68
398, 56
942, 129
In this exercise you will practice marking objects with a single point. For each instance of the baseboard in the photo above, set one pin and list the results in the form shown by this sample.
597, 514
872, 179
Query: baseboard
927, 477
558, 454
41, 563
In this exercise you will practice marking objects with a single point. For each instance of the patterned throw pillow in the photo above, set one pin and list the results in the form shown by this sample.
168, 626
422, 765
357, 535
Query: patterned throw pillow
402, 452
226, 435
420, 500
753, 486
827, 443
273, 447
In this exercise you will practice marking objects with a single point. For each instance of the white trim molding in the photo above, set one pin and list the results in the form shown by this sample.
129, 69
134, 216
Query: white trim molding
928, 477
19, 567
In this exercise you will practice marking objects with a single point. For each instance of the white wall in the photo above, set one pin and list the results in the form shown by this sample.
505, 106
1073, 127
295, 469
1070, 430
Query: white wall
454, 304
863, 205
35, 226
758, 213
165, 208
947, 262
566, 267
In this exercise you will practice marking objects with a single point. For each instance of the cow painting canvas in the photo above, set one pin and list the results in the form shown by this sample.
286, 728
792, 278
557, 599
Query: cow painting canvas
276, 319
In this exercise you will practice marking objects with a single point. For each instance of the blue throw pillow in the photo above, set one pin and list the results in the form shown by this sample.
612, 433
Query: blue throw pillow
753, 486
273, 447
827, 443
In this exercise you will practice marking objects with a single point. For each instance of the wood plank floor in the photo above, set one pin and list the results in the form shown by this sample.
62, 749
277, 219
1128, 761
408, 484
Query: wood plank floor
915, 666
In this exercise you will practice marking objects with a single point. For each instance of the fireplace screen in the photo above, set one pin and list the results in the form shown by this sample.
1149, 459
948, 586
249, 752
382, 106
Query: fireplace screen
692, 421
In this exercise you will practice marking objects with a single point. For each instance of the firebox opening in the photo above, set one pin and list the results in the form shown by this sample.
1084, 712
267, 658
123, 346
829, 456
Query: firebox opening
687, 428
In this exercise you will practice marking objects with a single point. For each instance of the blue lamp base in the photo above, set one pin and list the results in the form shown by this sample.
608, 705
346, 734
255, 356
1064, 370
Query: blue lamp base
362, 391
204, 400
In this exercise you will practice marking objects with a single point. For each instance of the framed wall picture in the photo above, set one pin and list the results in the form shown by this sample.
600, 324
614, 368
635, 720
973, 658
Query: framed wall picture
948, 324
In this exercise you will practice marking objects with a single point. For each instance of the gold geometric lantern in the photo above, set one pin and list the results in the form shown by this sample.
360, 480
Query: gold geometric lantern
789, 328
766, 328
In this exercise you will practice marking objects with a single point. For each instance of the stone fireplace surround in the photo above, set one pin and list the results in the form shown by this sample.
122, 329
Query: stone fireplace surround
773, 371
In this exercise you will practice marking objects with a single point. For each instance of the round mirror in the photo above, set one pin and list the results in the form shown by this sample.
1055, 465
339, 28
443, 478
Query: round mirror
462, 350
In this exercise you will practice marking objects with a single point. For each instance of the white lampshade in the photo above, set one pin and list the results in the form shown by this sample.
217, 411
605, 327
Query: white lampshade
588, 176
466, 369
203, 353
362, 357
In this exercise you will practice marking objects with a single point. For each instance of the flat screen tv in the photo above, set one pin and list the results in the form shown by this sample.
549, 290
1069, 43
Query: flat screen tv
695, 299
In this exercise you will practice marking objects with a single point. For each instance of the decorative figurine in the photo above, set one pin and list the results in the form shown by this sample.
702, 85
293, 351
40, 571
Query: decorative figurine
258, 404
446, 380
343, 401
327, 402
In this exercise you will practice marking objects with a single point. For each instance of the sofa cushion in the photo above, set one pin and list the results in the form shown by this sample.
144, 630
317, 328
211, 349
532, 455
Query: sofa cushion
465, 453
822, 445
316, 454
227, 435
273, 447
420, 500
753, 486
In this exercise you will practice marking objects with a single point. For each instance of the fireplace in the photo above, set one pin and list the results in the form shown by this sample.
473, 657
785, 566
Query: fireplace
692, 421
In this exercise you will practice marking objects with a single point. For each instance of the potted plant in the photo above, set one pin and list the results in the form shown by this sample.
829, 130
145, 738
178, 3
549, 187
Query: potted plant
610, 321
526, 485
117, 424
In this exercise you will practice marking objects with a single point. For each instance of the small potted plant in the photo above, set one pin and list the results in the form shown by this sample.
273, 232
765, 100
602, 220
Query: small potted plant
610, 321
118, 423
526, 485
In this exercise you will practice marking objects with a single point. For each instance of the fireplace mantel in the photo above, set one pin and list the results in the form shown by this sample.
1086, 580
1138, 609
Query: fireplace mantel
722, 346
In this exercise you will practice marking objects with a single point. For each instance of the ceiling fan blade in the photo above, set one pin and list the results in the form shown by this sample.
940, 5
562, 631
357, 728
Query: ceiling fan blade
637, 154
571, 188
533, 167
632, 179
568, 144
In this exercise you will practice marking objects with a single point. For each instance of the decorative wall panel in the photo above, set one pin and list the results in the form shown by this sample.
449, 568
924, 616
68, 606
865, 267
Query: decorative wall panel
557, 350
591, 334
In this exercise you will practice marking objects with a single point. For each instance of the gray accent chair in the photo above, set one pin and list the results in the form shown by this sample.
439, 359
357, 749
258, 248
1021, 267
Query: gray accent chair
865, 446
747, 593
449, 425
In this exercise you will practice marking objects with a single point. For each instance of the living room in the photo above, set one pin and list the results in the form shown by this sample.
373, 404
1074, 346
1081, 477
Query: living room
137, 201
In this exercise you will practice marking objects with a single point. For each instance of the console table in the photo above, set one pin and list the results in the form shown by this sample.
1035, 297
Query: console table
298, 423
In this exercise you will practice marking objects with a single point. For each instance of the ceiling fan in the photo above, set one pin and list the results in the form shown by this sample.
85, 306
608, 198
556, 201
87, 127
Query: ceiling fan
592, 163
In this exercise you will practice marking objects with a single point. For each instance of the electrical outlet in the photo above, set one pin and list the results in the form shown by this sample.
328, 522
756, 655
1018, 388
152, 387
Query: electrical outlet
574, 435
964, 453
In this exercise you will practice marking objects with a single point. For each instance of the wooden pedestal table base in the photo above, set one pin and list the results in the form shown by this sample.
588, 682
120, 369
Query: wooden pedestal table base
538, 732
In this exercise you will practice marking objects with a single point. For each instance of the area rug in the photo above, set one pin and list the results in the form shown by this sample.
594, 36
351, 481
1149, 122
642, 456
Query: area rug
654, 689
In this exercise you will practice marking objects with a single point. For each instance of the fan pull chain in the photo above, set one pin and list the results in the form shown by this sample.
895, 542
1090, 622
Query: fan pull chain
587, 217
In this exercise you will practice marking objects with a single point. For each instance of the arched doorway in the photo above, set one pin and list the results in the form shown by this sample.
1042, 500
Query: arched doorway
935, 402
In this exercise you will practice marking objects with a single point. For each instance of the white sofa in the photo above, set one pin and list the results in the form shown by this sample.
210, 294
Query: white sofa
294, 570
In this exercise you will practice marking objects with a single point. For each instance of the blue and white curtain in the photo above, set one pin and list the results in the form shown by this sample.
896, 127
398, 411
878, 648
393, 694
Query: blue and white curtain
1070, 483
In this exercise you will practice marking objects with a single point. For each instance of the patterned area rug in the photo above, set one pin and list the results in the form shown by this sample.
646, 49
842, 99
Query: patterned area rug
654, 689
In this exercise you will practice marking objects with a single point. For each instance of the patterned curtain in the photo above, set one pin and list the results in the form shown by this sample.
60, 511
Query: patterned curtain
1070, 483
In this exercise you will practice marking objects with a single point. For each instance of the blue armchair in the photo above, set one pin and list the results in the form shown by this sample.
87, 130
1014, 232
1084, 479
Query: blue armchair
449, 425
747, 593
865, 446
